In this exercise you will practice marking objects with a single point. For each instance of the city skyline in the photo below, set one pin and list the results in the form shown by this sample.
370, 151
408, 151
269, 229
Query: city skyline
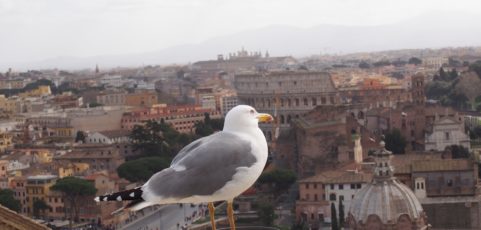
36, 32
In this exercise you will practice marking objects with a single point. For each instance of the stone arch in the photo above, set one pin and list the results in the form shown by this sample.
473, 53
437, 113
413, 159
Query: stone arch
306, 102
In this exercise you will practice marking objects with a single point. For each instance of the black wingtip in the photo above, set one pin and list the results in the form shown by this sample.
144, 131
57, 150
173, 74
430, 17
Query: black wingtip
131, 194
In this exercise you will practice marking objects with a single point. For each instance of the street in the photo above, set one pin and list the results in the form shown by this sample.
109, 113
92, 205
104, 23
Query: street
168, 217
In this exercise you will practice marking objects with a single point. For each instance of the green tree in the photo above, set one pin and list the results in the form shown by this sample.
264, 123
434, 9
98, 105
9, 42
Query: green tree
381, 63
94, 104
73, 189
142, 169
458, 151
153, 138
453, 74
456, 99
475, 133
476, 67
303, 67
7, 199
208, 126
281, 179
438, 89
395, 142
364, 65
80, 136
341, 213
301, 225
415, 61
334, 223
265, 211
39, 206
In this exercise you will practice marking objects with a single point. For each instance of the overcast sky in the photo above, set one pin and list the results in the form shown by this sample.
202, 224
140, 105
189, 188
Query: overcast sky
32, 30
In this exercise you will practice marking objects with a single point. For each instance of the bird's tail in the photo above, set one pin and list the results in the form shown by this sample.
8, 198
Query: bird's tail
131, 194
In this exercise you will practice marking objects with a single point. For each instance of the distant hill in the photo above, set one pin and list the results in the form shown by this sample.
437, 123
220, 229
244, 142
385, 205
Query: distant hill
433, 30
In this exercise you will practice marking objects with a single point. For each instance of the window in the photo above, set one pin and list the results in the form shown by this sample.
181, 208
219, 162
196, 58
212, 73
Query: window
358, 185
341, 198
446, 134
315, 197
450, 183
341, 186
332, 186
353, 186
315, 185
332, 197
307, 185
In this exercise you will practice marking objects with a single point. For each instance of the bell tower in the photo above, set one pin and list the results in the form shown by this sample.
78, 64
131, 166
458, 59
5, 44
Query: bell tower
417, 89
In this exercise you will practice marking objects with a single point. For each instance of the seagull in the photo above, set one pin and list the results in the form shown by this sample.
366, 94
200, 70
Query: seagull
215, 168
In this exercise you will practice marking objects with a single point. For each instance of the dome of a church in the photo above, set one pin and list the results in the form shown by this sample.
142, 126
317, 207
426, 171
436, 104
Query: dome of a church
385, 203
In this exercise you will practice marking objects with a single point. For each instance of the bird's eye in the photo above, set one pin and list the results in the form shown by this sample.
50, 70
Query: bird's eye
252, 111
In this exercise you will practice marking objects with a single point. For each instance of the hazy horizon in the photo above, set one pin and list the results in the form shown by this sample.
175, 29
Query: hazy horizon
36, 32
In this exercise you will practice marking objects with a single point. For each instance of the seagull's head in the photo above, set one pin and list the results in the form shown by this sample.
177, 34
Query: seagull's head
243, 116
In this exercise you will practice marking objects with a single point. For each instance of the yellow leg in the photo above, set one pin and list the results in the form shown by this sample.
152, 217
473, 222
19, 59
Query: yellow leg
211, 214
230, 214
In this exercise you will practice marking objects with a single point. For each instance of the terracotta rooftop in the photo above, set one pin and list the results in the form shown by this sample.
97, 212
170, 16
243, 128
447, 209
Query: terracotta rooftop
340, 177
442, 165
115, 133
402, 162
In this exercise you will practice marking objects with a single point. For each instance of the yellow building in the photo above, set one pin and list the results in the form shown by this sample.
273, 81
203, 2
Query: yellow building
38, 188
3, 168
40, 155
142, 99
42, 90
73, 169
5, 142
7, 104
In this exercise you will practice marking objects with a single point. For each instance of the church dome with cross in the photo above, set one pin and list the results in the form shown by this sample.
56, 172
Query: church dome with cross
386, 203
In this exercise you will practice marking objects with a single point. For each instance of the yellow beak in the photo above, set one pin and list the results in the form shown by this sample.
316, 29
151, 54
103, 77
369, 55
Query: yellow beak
264, 117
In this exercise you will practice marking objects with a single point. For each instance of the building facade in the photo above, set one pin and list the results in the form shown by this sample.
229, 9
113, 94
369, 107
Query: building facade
182, 118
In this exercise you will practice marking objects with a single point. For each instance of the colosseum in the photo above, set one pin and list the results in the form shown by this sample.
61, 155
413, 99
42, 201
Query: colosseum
296, 92
289, 94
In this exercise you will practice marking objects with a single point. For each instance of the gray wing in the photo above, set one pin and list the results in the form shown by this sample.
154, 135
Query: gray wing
209, 164
184, 151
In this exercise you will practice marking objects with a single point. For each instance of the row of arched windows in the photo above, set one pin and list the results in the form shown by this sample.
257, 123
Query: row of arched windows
288, 102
